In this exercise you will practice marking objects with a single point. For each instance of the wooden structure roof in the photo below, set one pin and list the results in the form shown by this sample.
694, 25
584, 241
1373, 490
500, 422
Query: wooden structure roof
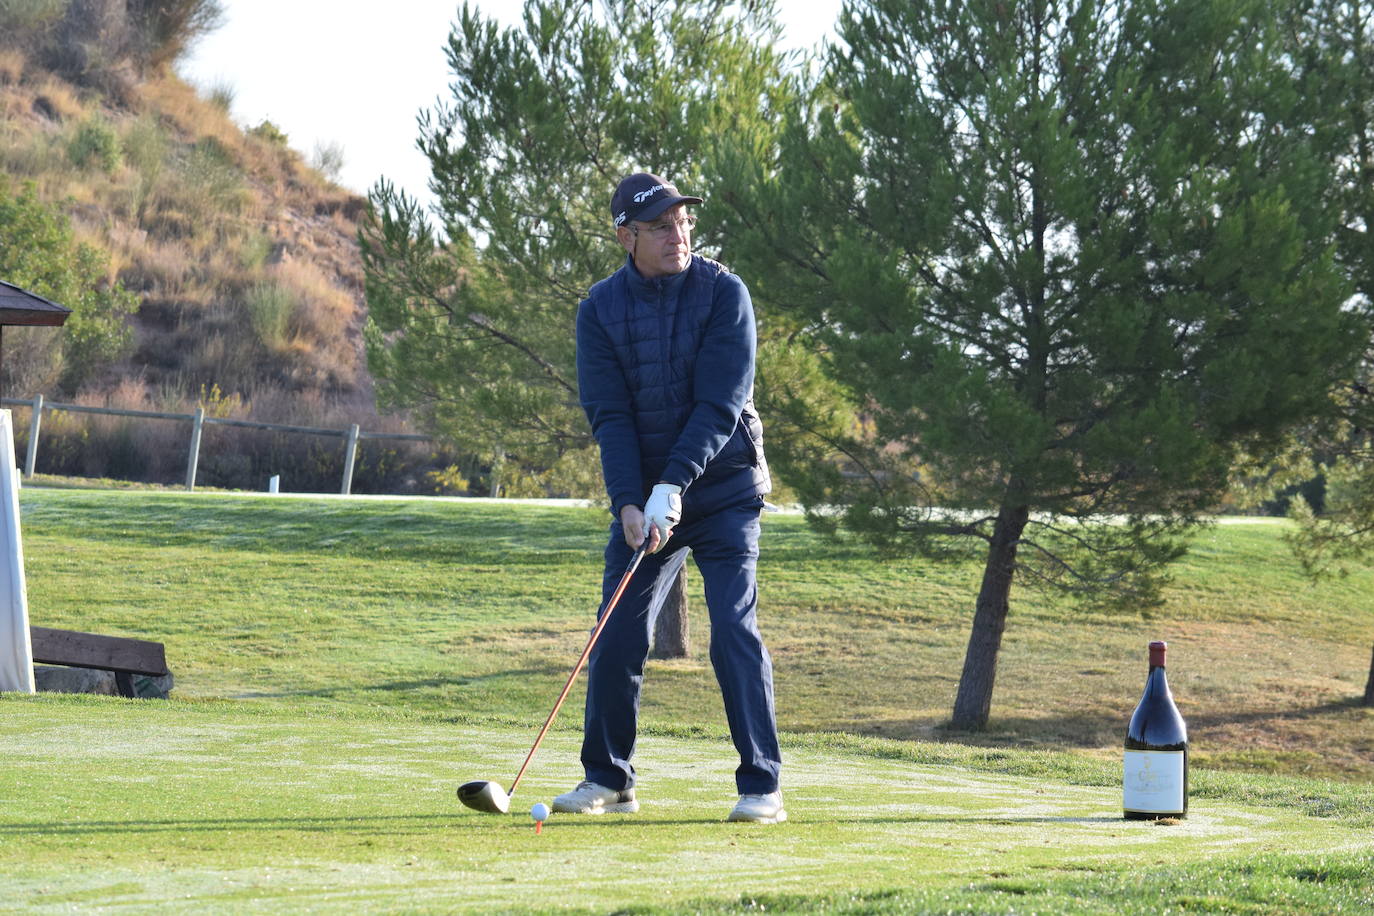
18, 306
21, 307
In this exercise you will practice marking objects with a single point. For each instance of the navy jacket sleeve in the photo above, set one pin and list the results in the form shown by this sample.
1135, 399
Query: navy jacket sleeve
722, 382
605, 397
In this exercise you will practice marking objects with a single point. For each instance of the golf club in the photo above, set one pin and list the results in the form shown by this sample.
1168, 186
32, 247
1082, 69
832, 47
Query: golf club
484, 795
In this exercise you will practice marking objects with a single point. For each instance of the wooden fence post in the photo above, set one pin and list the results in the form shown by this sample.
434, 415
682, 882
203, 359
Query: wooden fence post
193, 459
353, 435
350, 454
34, 423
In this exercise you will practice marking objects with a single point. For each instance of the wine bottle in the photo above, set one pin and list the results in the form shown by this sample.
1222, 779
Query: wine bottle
1155, 781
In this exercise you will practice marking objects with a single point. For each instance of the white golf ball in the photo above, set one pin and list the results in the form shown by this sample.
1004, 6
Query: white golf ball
540, 811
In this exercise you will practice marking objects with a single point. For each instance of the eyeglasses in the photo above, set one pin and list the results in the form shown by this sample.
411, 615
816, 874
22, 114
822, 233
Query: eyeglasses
661, 230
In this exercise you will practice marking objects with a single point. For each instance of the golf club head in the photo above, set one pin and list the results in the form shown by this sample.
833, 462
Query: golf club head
481, 795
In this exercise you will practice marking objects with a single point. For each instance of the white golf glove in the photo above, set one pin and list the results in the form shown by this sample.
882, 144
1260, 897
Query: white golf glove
663, 510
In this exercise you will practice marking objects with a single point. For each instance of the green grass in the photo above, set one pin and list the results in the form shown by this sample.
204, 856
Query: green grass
477, 609
196, 806
342, 665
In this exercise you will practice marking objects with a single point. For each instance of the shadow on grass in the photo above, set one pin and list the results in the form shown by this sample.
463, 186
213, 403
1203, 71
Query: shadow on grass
1014, 733
1231, 717
1080, 730
397, 686
410, 530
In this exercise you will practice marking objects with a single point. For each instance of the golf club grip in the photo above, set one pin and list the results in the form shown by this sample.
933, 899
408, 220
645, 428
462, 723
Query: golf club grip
577, 669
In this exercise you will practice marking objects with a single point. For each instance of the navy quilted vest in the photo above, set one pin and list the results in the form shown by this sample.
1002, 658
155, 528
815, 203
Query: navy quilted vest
656, 328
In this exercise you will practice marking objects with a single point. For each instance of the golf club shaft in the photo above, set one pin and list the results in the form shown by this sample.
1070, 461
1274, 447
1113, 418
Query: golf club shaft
596, 631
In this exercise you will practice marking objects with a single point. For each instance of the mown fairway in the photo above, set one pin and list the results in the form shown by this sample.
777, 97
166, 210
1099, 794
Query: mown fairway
343, 665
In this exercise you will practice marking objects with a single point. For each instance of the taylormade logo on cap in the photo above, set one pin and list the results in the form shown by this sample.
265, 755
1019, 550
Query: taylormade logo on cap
643, 197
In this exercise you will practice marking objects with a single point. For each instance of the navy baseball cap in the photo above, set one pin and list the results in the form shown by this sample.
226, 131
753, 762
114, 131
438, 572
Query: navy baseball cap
643, 197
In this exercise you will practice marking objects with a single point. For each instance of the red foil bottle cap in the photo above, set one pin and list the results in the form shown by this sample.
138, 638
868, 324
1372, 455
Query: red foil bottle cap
1157, 649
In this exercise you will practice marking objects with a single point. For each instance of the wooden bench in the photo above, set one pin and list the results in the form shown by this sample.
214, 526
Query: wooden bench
125, 657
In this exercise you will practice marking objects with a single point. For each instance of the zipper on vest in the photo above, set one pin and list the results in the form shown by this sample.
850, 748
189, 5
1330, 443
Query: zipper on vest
664, 345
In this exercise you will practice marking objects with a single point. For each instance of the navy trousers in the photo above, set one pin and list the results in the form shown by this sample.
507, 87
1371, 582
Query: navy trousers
725, 546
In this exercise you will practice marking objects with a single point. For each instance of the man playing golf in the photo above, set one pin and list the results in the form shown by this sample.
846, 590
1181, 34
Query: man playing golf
665, 366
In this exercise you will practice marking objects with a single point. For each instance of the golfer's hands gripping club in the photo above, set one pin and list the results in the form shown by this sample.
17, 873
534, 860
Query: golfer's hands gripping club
661, 513
641, 525
632, 524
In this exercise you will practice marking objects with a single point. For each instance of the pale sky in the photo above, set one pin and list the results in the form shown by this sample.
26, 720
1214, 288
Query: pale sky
355, 72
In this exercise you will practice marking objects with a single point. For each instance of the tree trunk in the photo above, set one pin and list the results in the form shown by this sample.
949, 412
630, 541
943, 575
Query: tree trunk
974, 700
497, 465
1369, 685
670, 629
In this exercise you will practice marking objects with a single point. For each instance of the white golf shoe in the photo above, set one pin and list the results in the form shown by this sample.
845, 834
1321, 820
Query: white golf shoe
759, 809
591, 798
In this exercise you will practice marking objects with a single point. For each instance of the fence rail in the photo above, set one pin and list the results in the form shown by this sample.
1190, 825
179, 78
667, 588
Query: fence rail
351, 436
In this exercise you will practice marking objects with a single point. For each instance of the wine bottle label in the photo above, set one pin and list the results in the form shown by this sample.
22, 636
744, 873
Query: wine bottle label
1153, 782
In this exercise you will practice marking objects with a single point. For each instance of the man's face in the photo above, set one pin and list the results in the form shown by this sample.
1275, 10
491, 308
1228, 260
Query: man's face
662, 246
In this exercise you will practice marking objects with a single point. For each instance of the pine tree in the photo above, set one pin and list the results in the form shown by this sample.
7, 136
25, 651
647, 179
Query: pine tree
1332, 49
1067, 258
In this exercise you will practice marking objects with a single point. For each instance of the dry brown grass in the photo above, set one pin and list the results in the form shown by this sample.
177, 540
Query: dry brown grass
99, 445
177, 102
56, 99
162, 269
326, 311
85, 196
13, 104
197, 214
13, 64
32, 362
227, 356
31, 156
154, 450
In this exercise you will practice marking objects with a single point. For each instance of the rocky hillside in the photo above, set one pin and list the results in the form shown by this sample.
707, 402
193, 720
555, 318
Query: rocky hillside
245, 265
244, 258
